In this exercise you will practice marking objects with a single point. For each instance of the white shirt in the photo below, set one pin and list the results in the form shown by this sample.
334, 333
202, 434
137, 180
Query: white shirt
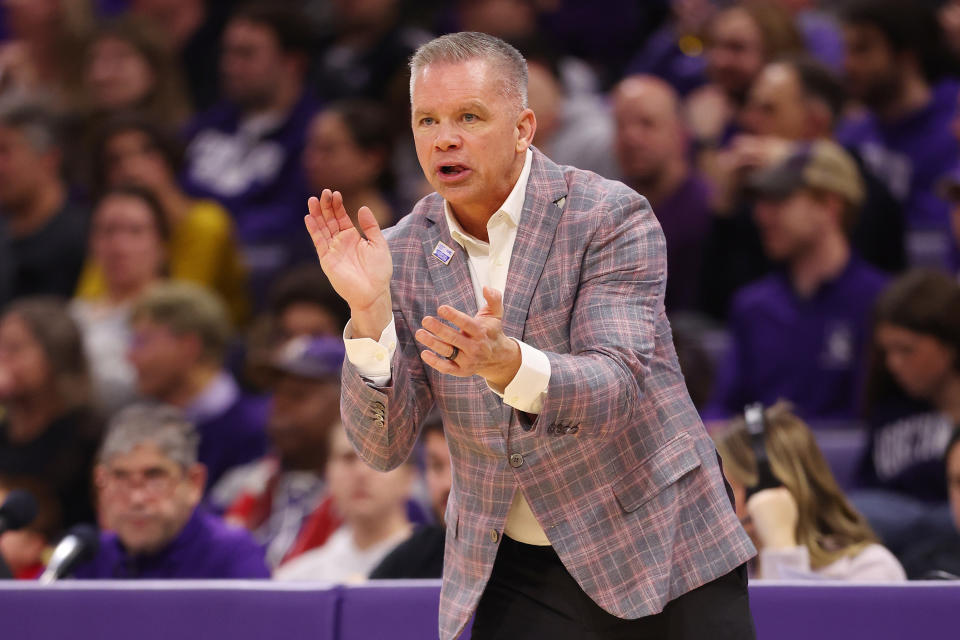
339, 559
489, 263
873, 564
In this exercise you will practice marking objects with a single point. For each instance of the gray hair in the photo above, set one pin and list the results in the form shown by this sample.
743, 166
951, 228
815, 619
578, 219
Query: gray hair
158, 424
33, 119
473, 45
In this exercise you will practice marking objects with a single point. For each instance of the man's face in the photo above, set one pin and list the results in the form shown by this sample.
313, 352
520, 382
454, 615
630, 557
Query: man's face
251, 63
470, 139
736, 53
789, 227
22, 169
437, 476
160, 357
776, 105
301, 416
147, 498
871, 71
953, 483
649, 133
363, 495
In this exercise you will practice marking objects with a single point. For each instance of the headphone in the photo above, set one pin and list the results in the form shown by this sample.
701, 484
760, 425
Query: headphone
756, 423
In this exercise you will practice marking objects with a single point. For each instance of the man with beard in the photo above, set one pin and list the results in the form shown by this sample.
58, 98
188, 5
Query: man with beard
800, 333
245, 151
893, 62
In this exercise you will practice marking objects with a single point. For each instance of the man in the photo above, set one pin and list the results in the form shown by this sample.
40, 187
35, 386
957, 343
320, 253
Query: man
893, 66
421, 556
42, 233
374, 509
652, 149
180, 337
801, 333
276, 496
245, 152
792, 100
584, 485
150, 487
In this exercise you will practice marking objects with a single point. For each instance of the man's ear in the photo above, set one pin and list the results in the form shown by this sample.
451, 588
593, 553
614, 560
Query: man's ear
197, 477
526, 128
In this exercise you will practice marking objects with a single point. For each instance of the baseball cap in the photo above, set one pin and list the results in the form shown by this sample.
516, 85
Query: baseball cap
310, 357
822, 165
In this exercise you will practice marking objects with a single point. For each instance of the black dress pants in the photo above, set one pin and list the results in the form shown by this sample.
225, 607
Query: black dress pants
531, 596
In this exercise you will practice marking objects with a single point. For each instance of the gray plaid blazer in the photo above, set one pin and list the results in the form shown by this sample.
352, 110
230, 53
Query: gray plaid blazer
617, 467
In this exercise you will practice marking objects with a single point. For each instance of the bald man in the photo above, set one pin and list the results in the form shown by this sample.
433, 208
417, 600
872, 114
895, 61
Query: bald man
652, 151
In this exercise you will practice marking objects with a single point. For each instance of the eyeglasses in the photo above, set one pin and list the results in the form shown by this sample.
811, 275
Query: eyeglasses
154, 483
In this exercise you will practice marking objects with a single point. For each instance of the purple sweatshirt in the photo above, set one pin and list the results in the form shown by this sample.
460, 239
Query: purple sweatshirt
910, 155
809, 351
206, 548
252, 168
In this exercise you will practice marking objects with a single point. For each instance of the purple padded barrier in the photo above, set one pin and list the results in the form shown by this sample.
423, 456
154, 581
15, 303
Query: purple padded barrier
782, 611
394, 609
844, 611
150, 610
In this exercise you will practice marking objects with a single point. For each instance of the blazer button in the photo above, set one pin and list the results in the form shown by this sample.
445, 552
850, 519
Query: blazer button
494, 536
516, 460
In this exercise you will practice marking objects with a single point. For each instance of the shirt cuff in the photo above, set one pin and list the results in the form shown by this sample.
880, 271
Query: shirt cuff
372, 359
527, 390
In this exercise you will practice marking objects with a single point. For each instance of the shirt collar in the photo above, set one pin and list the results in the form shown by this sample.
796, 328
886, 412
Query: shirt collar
216, 398
167, 557
512, 207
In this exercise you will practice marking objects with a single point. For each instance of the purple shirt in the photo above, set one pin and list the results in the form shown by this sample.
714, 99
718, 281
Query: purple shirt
910, 155
231, 434
809, 351
206, 548
684, 217
252, 168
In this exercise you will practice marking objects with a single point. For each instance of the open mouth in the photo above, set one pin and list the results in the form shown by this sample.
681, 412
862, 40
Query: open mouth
452, 171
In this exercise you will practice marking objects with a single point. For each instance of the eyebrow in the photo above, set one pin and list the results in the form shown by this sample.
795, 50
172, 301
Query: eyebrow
470, 105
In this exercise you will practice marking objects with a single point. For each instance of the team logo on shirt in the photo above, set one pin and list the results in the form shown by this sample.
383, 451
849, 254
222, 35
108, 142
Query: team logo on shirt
443, 253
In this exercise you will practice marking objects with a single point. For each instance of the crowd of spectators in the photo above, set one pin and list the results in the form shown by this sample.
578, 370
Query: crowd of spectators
170, 351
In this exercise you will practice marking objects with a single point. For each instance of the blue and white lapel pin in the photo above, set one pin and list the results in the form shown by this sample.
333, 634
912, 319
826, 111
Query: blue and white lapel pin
443, 253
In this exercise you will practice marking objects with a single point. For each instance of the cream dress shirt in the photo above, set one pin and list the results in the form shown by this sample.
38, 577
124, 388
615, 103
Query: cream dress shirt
488, 263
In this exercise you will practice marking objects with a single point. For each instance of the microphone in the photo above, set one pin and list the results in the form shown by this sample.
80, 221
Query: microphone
17, 511
79, 545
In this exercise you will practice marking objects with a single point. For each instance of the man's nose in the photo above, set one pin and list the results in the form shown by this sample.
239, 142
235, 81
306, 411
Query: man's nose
447, 138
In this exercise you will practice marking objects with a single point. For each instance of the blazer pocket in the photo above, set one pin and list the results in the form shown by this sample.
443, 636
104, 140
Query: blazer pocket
673, 460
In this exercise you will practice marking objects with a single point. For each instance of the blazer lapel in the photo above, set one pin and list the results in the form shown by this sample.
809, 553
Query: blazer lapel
453, 285
451, 280
542, 208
